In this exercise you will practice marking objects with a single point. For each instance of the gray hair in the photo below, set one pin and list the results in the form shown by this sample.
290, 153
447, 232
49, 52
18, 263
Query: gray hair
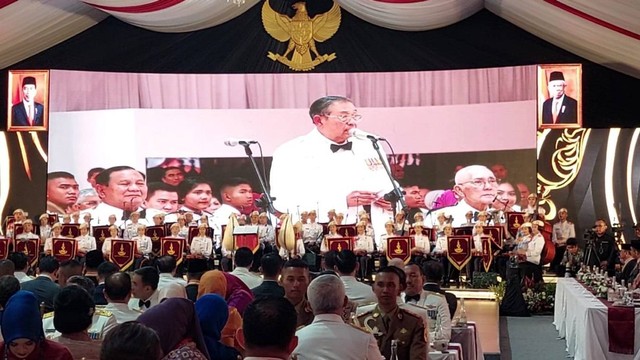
326, 294
463, 174
321, 105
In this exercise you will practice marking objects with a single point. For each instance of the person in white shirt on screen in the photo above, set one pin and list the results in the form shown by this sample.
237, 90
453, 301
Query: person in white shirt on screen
332, 169
161, 197
236, 196
476, 186
85, 242
194, 193
122, 190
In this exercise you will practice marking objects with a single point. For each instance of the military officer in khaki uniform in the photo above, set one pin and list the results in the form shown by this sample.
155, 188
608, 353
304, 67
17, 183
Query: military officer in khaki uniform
387, 321
295, 280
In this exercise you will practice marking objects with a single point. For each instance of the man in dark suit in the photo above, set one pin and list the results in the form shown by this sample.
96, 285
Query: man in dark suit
195, 268
44, 286
271, 266
559, 108
104, 270
433, 275
627, 266
28, 112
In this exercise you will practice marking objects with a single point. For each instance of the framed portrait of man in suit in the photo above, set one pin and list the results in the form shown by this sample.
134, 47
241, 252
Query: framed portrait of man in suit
28, 99
560, 96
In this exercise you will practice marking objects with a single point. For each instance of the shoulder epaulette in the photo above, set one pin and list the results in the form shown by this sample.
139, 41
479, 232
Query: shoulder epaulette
103, 312
358, 328
47, 315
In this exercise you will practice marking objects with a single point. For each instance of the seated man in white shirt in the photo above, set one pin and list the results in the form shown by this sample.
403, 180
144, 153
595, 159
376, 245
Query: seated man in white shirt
439, 322
117, 291
347, 267
144, 289
243, 260
328, 337
21, 264
201, 245
167, 266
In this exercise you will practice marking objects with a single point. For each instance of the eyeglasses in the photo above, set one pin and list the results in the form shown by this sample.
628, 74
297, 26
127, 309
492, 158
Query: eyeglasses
345, 118
481, 182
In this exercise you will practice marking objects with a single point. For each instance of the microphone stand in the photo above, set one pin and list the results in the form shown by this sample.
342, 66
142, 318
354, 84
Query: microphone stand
265, 201
397, 194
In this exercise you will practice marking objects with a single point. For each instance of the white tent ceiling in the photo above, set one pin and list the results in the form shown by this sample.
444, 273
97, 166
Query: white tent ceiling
605, 32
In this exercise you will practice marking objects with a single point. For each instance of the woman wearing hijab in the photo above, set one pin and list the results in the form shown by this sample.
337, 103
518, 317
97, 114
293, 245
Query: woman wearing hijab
176, 323
213, 313
23, 334
235, 293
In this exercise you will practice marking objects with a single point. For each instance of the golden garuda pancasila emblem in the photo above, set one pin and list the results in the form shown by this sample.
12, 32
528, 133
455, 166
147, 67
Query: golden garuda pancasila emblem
302, 32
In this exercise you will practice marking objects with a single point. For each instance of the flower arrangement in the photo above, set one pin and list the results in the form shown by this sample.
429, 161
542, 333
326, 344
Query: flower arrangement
498, 290
540, 298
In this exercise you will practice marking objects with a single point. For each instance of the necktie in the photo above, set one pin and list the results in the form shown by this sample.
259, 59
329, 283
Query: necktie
345, 146
556, 110
146, 304
415, 298
30, 114
125, 215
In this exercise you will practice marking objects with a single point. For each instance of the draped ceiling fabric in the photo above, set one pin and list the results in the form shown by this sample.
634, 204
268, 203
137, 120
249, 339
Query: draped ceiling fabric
605, 32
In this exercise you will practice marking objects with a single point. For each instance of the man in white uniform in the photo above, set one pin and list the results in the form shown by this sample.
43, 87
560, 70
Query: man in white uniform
328, 337
122, 190
329, 169
476, 186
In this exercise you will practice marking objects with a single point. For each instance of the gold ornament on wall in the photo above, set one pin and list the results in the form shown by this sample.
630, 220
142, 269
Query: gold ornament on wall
566, 161
302, 33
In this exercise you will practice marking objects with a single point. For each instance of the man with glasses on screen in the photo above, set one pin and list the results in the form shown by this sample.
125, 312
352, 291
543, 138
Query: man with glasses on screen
329, 169
476, 187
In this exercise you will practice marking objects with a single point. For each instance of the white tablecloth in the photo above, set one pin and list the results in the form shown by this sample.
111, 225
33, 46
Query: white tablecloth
449, 355
581, 319
470, 340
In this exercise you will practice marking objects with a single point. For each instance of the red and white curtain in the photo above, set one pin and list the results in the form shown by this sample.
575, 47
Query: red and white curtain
606, 32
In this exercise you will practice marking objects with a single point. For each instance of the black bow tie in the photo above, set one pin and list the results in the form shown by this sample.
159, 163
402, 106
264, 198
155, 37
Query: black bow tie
142, 303
408, 298
345, 146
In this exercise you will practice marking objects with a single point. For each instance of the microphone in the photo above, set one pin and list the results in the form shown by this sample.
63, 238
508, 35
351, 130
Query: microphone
235, 142
357, 133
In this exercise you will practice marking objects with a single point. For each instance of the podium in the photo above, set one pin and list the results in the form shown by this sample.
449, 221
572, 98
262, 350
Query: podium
122, 253
31, 248
64, 249
173, 247
339, 244
246, 236
399, 247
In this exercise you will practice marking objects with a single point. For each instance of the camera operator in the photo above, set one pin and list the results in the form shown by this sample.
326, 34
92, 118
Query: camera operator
603, 252
571, 260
